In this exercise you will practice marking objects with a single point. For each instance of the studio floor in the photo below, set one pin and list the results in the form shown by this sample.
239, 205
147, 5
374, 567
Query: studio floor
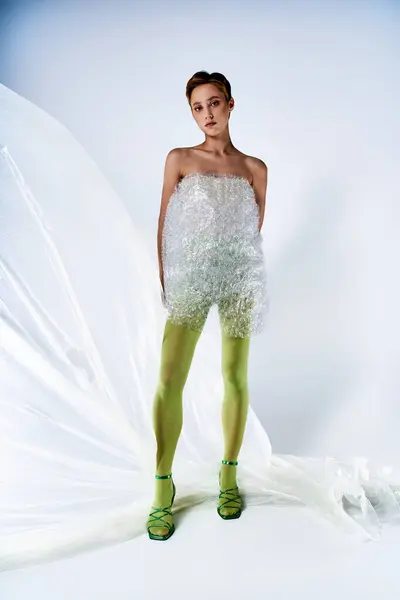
280, 553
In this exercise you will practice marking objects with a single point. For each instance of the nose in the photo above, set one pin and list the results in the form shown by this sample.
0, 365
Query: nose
209, 116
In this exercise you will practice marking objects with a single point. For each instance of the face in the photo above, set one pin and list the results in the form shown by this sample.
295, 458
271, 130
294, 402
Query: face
210, 106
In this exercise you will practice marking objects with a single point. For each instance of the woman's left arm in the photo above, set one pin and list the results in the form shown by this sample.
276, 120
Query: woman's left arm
260, 182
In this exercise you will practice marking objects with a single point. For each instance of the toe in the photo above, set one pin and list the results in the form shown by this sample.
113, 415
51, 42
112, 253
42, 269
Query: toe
159, 531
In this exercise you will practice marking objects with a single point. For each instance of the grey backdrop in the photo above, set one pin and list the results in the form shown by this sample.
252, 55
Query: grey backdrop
317, 95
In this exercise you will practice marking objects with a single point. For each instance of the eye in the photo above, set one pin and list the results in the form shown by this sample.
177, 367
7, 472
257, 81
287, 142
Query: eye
197, 107
215, 102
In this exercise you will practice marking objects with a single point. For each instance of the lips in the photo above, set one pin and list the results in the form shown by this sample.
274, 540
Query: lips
211, 123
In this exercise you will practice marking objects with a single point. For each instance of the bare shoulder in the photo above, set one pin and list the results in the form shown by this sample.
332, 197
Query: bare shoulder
259, 173
180, 152
172, 174
173, 165
176, 160
174, 156
258, 168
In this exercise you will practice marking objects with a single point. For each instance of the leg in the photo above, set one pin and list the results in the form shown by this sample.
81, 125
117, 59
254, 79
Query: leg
178, 346
235, 353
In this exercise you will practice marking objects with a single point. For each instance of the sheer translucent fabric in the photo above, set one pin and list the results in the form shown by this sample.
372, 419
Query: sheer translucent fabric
82, 320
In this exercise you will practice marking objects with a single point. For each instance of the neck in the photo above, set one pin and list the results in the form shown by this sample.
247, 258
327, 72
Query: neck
219, 145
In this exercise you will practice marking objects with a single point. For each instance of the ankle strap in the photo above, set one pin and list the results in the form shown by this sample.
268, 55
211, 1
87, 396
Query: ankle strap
230, 462
164, 476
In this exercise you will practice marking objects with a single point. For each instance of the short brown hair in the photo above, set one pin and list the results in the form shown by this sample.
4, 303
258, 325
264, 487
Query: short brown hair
219, 80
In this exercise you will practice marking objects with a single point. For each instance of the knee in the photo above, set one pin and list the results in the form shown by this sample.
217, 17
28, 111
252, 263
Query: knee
234, 377
171, 381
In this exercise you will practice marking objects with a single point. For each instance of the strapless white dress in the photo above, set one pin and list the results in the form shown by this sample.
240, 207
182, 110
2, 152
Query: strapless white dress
212, 254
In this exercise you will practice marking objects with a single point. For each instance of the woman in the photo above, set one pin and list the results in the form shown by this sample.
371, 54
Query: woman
209, 249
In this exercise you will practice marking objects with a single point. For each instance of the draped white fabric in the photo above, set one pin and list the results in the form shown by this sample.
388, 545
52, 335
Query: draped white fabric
81, 329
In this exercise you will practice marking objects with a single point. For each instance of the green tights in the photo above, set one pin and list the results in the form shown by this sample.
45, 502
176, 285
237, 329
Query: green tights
178, 346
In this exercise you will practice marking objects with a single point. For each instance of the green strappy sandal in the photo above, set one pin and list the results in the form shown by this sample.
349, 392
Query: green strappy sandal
164, 512
230, 495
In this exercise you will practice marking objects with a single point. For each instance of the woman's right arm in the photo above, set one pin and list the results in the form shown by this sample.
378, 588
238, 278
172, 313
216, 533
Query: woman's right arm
172, 174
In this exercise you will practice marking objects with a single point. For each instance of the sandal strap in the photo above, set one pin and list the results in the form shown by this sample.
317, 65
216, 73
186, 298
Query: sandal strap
165, 512
234, 497
232, 493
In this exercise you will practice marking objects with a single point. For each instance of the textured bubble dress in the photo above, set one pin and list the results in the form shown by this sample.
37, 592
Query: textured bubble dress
212, 254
